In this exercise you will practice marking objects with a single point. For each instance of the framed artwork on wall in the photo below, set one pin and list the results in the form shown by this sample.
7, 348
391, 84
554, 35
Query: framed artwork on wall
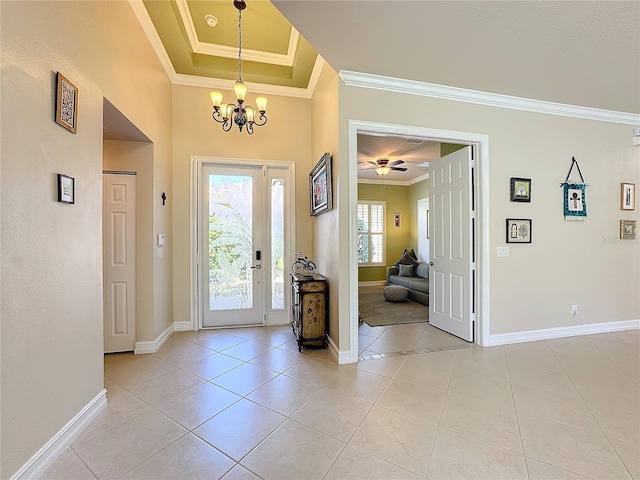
575, 203
627, 229
66, 189
320, 190
518, 230
66, 103
627, 196
520, 189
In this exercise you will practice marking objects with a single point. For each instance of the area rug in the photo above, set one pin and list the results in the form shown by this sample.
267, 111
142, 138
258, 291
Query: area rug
375, 311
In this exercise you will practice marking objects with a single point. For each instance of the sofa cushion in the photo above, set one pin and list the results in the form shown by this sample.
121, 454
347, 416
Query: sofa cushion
406, 270
406, 259
413, 283
422, 270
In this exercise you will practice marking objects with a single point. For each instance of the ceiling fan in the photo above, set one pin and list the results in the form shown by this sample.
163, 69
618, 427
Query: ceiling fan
382, 166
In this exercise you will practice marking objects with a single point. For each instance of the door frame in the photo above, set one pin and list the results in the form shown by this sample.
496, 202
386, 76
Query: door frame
481, 240
197, 161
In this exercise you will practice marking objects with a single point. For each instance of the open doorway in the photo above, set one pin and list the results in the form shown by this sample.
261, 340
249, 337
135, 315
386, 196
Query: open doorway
478, 191
127, 216
392, 216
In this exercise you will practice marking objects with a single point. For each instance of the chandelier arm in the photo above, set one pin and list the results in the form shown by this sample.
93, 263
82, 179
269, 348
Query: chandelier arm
262, 119
226, 125
250, 128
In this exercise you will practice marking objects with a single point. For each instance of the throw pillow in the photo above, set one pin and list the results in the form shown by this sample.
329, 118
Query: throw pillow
406, 270
406, 259
422, 270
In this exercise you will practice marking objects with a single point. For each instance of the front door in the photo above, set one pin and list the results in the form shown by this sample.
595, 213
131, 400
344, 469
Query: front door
233, 238
450, 245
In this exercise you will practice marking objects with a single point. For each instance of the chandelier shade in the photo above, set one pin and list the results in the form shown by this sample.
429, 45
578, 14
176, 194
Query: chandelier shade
242, 115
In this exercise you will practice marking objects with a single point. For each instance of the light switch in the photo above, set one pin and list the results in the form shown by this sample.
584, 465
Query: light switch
503, 251
160, 239
160, 252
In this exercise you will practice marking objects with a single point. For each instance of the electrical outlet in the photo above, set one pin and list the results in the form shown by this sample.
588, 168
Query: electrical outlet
574, 310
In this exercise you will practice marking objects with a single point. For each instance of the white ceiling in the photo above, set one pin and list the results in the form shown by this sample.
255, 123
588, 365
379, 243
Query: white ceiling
574, 52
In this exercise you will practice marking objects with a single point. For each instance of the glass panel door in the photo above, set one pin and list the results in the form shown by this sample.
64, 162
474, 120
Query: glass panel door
232, 232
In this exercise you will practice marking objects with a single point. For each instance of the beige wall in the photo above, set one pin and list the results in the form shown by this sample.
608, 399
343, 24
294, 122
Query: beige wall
51, 257
583, 263
286, 137
324, 138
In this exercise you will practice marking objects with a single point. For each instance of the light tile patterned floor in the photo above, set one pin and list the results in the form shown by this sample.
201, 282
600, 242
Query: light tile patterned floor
244, 404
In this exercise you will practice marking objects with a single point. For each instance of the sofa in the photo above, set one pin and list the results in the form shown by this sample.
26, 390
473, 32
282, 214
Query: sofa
412, 275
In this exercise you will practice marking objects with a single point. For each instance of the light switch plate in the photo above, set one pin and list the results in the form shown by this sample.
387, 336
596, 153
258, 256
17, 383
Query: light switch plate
503, 251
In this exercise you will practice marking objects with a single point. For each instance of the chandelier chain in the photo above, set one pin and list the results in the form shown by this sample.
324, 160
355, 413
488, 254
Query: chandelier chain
240, 44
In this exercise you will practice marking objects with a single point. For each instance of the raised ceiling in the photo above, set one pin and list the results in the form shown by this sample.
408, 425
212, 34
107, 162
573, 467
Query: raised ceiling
274, 54
584, 53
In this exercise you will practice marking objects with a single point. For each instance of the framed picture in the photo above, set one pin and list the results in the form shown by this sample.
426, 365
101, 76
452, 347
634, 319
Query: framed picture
575, 203
66, 189
628, 229
520, 189
320, 191
518, 230
396, 220
66, 103
627, 196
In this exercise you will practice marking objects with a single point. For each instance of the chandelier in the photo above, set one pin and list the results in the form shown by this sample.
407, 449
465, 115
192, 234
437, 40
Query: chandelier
240, 113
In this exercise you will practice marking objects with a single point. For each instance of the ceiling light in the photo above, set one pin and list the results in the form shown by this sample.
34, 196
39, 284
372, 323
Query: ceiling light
240, 113
382, 170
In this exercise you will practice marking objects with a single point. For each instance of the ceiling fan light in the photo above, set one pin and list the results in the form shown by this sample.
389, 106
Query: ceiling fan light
382, 170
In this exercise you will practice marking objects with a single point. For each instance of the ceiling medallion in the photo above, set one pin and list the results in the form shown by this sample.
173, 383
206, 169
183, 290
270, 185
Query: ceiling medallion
241, 114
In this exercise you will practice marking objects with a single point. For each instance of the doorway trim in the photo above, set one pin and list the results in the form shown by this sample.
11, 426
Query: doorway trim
480, 144
197, 161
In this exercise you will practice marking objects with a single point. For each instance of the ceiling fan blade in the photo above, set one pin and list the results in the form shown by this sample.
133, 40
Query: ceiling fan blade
368, 168
399, 169
373, 163
397, 162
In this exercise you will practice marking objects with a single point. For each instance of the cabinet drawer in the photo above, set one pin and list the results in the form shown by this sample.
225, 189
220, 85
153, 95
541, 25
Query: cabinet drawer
313, 287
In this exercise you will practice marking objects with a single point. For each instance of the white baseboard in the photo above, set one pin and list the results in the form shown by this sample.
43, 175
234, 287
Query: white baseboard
374, 283
340, 357
51, 451
153, 346
182, 326
560, 332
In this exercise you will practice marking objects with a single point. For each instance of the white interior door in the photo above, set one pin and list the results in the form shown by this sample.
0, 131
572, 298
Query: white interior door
450, 226
232, 246
119, 256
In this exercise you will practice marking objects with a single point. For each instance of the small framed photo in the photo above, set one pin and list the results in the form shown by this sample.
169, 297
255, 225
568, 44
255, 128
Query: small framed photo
520, 189
628, 229
575, 203
66, 189
320, 188
66, 103
627, 196
518, 230
396, 220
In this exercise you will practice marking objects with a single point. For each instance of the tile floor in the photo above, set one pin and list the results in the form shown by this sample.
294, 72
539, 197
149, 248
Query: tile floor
244, 404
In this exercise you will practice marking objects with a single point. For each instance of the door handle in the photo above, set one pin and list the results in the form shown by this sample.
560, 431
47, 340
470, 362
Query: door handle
257, 267
431, 264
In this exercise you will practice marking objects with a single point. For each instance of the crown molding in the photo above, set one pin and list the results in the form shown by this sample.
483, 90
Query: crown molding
413, 87
152, 35
207, 82
232, 52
